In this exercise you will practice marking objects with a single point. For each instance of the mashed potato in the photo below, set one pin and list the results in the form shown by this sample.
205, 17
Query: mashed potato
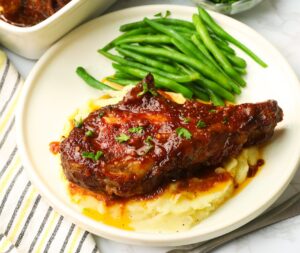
179, 206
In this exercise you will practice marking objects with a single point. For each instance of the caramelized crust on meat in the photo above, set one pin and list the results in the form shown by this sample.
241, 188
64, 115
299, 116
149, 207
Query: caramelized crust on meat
158, 153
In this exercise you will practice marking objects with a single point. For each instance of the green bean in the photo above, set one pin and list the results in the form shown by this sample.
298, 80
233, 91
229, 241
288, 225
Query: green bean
242, 71
197, 42
146, 60
122, 75
145, 39
158, 58
181, 29
176, 78
170, 48
153, 62
220, 43
137, 31
127, 58
215, 37
226, 36
134, 25
216, 100
236, 61
122, 82
166, 21
187, 36
200, 95
163, 59
202, 48
161, 81
189, 33
184, 69
198, 92
224, 47
91, 81
179, 57
207, 84
217, 40
177, 22
210, 85
186, 45
181, 47
209, 43
188, 48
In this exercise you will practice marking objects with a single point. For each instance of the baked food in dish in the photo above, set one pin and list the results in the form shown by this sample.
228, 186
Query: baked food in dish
29, 12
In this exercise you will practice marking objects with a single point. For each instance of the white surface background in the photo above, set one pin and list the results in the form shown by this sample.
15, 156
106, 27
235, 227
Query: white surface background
279, 22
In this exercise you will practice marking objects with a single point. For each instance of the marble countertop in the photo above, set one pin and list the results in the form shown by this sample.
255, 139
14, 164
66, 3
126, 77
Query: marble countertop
279, 22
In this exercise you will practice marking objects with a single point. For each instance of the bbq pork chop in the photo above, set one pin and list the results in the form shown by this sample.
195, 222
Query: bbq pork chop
147, 140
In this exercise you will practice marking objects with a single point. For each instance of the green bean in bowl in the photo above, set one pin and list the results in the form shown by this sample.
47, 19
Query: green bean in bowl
196, 58
224, 1
229, 7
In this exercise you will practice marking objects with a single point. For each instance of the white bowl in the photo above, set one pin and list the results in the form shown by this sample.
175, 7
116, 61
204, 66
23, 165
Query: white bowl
32, 42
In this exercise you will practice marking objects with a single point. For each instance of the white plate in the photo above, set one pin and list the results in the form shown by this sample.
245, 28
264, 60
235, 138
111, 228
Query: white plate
53, 91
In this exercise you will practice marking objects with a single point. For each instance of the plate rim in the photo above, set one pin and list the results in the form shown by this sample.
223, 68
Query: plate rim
132, 237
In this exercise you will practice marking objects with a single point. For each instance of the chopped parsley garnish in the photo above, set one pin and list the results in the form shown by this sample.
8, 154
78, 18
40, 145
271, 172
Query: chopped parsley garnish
89, 133
147, 148
146, 89
212, 111
101, 114
92, 155
183, 132
167, 14
148, 140
78, 123
122, 138
186, 120
201, 124
137, 130
98, 155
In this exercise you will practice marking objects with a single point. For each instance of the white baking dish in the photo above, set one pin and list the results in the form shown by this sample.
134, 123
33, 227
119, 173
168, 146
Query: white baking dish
32, 42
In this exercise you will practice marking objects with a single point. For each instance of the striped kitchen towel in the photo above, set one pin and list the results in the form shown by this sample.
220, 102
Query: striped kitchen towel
27, 223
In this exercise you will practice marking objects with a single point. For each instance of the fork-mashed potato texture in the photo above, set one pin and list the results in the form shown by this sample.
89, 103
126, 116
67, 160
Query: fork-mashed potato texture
176, 208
